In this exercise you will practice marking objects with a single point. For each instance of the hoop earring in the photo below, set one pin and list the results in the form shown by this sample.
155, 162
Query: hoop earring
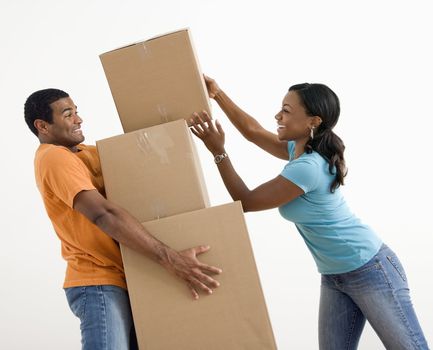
312, 133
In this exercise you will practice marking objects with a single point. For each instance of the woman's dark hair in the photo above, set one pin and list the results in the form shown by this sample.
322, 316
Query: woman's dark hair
37, 106
320, 100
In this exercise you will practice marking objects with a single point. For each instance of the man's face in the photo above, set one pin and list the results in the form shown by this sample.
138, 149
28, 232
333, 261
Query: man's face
66, 127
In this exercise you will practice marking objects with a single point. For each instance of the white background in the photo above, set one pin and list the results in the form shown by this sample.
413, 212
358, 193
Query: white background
376, 55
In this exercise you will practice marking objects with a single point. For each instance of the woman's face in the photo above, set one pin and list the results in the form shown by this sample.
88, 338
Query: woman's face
293, 121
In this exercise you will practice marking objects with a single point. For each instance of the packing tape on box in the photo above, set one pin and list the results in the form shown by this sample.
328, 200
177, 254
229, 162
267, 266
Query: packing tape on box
155, 142
162, 110
158, 210
142, 50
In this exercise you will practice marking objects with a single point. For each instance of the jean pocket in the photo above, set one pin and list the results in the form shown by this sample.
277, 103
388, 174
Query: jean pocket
76, 297
397, 266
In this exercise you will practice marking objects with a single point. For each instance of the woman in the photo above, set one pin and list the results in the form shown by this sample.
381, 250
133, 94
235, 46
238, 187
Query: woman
362, 278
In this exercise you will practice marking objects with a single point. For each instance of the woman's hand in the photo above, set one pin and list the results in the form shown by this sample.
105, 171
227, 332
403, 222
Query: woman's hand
212, 136
212, 87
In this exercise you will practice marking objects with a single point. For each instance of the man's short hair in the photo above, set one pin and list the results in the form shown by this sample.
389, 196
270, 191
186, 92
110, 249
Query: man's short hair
37, 106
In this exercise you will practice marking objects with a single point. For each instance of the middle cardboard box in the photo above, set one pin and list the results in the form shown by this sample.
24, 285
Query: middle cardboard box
153, 172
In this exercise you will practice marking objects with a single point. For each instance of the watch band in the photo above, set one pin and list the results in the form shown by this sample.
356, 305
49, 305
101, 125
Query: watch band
220, 157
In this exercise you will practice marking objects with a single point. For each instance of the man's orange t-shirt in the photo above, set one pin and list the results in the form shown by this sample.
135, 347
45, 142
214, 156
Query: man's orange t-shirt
92, 256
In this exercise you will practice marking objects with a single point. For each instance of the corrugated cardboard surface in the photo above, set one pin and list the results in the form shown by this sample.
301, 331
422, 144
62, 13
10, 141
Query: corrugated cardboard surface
154, 172
234, 317
156, 81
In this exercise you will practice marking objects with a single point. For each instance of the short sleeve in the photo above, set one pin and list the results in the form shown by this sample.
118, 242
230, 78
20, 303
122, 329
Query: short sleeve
64, 174
303, 172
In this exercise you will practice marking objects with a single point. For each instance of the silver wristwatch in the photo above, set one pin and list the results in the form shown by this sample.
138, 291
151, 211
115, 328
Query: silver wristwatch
220, 157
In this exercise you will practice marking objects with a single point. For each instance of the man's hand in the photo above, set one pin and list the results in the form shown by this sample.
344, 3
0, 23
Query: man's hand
185, 265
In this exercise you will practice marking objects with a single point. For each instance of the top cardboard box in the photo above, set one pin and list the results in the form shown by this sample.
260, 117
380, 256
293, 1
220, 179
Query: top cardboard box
156, 81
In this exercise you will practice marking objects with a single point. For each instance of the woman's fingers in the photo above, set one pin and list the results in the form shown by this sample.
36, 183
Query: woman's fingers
197, 123
198, 120
202, 123
193, 130
219, 127
206, 118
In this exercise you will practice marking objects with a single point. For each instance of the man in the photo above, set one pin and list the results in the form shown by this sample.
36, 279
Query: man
68, 175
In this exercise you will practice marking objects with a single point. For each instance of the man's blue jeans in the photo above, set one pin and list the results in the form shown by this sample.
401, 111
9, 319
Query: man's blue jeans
105, 315
377, 292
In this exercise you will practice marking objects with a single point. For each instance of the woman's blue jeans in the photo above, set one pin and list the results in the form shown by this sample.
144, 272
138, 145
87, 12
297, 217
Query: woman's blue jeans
377, 292
105, 316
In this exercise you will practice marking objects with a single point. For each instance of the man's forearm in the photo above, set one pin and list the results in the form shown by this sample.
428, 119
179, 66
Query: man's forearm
125, 229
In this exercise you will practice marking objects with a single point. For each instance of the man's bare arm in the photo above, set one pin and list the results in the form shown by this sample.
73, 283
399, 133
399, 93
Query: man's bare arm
124, 228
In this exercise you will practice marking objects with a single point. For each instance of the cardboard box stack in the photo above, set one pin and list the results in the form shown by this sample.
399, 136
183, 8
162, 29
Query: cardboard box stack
153, 171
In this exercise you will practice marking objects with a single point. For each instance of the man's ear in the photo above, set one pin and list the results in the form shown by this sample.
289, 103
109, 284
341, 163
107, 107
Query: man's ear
41, 126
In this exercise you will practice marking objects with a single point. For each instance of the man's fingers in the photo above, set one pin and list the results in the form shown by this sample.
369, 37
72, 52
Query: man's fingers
197, 284
194, 273
207, 280
193, 291
201, 249
211, 269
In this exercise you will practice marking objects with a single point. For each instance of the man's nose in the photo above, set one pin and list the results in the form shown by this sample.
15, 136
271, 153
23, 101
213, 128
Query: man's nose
78, 120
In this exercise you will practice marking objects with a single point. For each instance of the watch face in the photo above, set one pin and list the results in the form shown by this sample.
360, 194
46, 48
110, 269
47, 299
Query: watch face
219, 157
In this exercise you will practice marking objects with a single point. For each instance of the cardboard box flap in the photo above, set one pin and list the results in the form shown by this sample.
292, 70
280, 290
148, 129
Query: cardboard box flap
145, 40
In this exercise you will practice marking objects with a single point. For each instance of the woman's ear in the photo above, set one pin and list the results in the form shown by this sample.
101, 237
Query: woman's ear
316, 121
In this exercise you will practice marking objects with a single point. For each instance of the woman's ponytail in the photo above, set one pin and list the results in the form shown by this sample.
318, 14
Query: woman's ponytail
320, 100
330, 147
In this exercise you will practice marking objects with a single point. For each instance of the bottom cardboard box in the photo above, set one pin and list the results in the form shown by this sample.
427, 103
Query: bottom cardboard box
165, 315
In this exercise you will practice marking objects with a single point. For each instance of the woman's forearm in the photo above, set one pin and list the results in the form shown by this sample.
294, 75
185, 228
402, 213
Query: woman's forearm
240, 119
232, 181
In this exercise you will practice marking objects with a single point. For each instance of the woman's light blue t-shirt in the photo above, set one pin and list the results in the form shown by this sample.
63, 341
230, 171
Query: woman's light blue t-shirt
337, 239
